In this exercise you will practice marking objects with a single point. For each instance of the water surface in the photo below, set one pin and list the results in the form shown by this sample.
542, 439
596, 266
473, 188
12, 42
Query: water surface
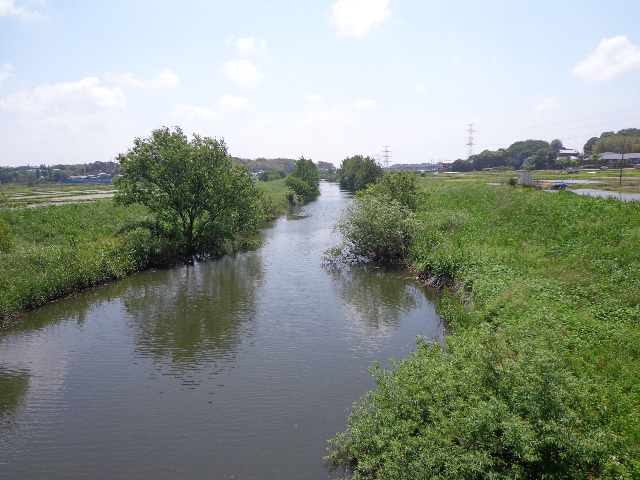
622, 196
237, 368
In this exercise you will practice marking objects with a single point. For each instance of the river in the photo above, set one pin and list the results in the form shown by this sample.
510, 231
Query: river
236, 368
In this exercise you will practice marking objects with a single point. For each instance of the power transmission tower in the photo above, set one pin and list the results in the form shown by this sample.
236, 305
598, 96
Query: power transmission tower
469, 144
385, 155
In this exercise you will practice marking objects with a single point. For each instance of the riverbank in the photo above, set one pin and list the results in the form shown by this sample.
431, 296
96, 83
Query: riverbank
539, 374
59, 250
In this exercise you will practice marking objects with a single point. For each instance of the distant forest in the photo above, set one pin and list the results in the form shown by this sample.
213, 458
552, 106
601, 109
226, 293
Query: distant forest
539, 154
285, 165
106, 170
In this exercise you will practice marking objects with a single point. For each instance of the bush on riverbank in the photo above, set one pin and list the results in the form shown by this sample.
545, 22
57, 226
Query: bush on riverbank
539, 377
376, 228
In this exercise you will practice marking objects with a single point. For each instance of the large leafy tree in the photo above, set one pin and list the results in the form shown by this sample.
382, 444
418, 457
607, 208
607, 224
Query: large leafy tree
489, 159
624, 141
304, 180
519, 151
200, 198
618, 143
588, 146
355, 173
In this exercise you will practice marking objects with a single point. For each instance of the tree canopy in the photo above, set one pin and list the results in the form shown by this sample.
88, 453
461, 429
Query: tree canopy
626, 140
536, 153
355, 173
304, 180
618, 143
200, 198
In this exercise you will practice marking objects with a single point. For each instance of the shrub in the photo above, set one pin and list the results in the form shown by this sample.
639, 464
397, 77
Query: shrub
538, 376
270, 175
400, 186
299, 187
376, 228
484, 409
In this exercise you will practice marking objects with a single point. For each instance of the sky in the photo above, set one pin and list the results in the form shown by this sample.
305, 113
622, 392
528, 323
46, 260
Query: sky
403, 81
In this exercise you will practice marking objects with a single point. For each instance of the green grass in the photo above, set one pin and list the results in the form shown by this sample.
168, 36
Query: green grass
275, 197
61, 249
539, 284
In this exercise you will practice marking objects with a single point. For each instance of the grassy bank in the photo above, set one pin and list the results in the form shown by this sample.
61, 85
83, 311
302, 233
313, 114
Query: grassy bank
62, 249
275, 197
57, 250
539, 377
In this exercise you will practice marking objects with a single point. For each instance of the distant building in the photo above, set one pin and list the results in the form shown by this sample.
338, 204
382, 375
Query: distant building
614, 158
568, 152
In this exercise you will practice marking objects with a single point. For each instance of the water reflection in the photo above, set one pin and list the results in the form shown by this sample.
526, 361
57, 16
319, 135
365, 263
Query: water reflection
13, 385
76, 308
376, 299
192, 317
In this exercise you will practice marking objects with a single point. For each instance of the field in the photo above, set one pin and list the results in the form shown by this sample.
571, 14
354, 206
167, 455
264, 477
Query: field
608, 179
45, 194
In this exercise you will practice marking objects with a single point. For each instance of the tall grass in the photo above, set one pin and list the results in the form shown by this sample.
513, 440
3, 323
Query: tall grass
61, 249
274, 197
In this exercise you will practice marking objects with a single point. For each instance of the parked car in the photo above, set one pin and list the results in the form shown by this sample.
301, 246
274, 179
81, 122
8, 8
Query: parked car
573, 170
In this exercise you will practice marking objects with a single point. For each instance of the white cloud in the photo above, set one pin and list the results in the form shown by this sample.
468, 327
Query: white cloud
613, 57
421, 89
83, 96
332, 117
547, 105
232, 103
243, 72
313, 99
354, 18
249, 46
5, 73
9, 9
165, 78
366, 103
190, 111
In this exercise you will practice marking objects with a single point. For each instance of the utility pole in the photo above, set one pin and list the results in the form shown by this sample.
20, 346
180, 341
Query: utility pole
469, 143
385, 155
624, 147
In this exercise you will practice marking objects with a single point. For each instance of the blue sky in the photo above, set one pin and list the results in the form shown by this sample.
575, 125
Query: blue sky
79, 80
